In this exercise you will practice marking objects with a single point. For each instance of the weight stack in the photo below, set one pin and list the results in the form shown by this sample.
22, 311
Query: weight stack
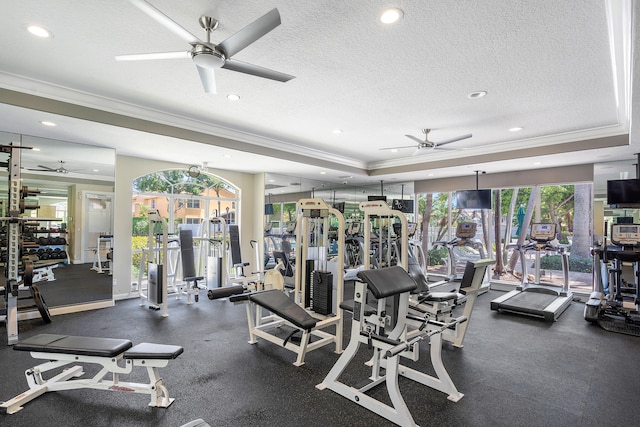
322, 295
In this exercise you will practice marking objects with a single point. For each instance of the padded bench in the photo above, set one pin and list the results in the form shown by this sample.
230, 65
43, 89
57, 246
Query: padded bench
285, 311
280, 304
116, 356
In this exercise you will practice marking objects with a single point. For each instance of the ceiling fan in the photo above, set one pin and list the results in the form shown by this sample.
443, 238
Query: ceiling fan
430, 145
208, 56
59, 169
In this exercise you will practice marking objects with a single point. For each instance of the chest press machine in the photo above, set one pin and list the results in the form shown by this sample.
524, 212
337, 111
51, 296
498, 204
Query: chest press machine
116, 356
368, 327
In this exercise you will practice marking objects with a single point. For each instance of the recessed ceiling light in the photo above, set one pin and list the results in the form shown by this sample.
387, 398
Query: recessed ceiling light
39, 31
272, 180
323, 173
389, 16
477, 94
233, 97
430, 174
337, 131
515, 129
35, 149
96, 170
48, 123
227, 156
537, 163
394, 150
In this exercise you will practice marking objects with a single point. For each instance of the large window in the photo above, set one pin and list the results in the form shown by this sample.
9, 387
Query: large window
567, 207
183, 201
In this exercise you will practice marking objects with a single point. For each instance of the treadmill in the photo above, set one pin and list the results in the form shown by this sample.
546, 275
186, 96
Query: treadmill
546, 302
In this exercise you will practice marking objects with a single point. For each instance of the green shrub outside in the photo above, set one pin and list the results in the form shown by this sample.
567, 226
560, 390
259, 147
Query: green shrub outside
554, 262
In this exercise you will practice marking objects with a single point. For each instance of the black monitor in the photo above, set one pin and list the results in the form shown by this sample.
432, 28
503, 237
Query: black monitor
473, 199
404, 206
339, 206
376, 198
623, 193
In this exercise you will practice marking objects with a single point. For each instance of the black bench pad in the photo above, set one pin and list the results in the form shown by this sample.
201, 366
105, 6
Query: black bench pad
68, 344
147, 350
388, 281
277, 302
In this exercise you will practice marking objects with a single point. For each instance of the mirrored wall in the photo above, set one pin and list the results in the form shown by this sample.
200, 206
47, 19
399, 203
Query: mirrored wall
68, 193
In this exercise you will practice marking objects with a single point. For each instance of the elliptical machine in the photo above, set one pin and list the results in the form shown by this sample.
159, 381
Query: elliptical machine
615, 307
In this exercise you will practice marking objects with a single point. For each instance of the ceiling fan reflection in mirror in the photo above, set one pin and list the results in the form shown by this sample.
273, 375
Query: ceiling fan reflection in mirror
60, 169
426, 144
208, 56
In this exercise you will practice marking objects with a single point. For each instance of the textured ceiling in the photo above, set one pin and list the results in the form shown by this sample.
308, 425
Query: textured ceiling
560, 70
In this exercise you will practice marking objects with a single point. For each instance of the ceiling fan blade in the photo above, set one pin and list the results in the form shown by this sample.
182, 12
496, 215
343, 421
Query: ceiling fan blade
165, 21
46, 168
249, 34
255, 70
418, 140
397, 148
456, 139
208, 79
153, 56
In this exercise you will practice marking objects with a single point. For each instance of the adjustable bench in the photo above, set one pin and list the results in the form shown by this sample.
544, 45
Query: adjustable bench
285, 311
110, 353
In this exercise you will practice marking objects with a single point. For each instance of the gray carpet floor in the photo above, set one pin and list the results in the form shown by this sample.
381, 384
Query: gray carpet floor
513, 371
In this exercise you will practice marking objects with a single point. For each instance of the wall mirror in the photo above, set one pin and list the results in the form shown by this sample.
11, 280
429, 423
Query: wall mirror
70, 201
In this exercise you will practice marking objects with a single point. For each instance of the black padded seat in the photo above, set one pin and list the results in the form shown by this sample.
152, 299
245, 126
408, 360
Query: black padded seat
280, 304
68, 344
388, 281
146, 350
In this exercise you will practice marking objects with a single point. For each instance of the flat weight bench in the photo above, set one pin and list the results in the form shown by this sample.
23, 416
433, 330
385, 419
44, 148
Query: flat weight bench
110, 353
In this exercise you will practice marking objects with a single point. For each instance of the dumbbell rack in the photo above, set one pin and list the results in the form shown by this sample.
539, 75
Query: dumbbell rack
46, 246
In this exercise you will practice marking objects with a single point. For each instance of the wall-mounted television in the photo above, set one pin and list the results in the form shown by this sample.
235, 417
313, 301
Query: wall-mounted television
623, 193
404, 206
473, 199
376, 198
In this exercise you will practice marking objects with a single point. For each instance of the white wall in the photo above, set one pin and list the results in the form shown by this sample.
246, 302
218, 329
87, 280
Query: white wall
128, 168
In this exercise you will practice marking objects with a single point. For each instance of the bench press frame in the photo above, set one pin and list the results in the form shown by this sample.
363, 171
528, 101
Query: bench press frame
112, 366
260, 326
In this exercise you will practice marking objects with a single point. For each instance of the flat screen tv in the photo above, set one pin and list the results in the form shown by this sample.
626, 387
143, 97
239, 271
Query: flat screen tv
473, 199
376, 198
404, 206
623, 193
339, 206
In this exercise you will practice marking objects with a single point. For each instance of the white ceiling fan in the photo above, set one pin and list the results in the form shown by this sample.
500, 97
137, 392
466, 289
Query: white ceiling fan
60, 169
208, 56
425, 144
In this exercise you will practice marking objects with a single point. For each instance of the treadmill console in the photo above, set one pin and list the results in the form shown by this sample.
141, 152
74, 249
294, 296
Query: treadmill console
354, 228
291, 227
625, 234
411, 228
466, 230
543, 232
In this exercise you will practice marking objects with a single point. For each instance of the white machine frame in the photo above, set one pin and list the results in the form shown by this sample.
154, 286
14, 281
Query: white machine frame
112, 366
366, 329
262, 326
